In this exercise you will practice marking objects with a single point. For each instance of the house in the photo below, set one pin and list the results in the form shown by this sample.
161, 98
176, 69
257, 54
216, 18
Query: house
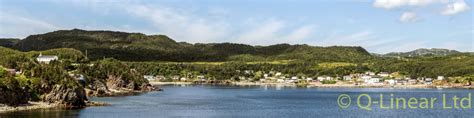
383, 74
440, 78
412, 81
366, 77
347, 78
372, 80
46, 58
429, 81
160, 77
175, 77
391, 81
183, 79
322, 78
278, 74
203, 78
242, 78
309, 79
370, 73
294, 78
149, 77
265, 75
248, 71
402, 82
280, 80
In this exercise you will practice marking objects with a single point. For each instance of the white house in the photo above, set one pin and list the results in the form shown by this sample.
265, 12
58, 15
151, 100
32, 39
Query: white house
149, 77
183, 79
366, 77
347, 78
369, 73
428, 81
391, 81
322, 78
294, 78
440, 77
278, 74
412, 81
372, 80
280, 80
384, 74
46, 58
309, 79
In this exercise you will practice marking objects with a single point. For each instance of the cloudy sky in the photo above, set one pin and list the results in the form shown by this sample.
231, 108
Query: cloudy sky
380, 26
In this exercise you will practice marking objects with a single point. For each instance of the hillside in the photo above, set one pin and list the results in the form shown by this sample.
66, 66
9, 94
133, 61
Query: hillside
424, 52
141, 47
8, 42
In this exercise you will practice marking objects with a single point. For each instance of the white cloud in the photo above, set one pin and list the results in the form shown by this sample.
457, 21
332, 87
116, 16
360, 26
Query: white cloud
270, 32
408, 17
455, 8
391, 4
180, 25
266, 31
19, 26
300, 33
187, 25
350, 39
451, 7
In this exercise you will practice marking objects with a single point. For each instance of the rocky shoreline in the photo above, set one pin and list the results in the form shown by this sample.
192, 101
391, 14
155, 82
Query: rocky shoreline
63, 97
58, 104
29, 106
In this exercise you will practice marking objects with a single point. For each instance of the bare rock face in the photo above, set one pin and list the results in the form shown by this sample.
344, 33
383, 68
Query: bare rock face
98, 88
117, 86
69, 97
115, 82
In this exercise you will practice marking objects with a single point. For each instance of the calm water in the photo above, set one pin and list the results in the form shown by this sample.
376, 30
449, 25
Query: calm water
256, 101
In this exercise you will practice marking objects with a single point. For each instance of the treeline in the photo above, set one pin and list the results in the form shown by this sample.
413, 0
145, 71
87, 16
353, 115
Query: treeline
139, 47
461, 65
414, 67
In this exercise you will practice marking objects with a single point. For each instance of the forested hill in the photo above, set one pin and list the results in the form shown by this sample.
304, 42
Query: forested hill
140, 47
8, 42
424, 52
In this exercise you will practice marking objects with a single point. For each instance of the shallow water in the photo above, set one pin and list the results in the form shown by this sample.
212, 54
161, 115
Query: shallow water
259, 101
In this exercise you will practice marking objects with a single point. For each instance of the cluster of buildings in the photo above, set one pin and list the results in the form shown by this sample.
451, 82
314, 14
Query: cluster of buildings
367, 78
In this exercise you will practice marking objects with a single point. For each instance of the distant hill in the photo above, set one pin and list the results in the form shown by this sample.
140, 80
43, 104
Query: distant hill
141, 47
8, 42
424, 52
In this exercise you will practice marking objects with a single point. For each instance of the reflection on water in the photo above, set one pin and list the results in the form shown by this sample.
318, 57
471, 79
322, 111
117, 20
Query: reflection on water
248, 101
44, 113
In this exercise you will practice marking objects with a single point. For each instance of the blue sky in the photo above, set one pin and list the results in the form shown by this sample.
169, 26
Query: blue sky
380, 26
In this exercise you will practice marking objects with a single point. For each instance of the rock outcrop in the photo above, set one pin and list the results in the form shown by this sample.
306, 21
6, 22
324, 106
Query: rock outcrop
71, 97
117, 86
115, 82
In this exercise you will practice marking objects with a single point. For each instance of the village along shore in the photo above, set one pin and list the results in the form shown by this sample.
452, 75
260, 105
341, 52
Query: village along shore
316, 85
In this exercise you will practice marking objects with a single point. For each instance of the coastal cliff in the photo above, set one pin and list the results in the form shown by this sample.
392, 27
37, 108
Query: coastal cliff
68, 97
68, 82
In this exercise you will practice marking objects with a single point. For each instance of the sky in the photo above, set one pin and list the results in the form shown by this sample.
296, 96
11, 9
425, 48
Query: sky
380, 26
